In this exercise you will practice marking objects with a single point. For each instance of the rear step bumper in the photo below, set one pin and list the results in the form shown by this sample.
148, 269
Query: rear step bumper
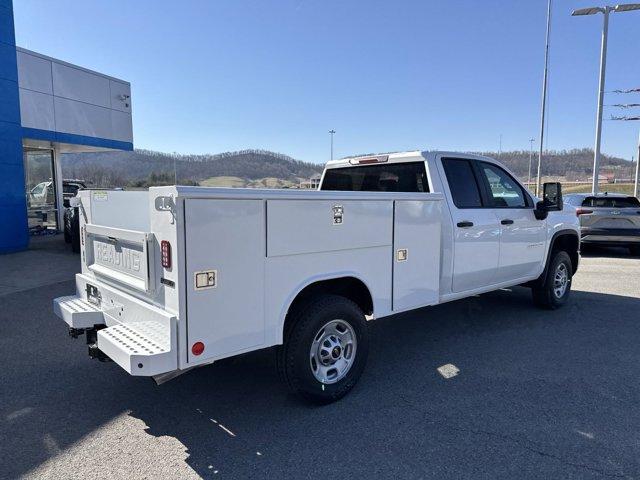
141, 348
77, 312
139, 337
618, 232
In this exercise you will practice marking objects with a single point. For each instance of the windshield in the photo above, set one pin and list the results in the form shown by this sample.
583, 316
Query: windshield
393, 177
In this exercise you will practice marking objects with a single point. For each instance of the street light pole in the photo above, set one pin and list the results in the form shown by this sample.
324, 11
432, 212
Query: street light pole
544, 95
531, 140
331, 132
603, 63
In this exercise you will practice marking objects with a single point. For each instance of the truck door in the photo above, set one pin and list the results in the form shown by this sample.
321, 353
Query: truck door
522, 237
416, 246
476, 230
225, 254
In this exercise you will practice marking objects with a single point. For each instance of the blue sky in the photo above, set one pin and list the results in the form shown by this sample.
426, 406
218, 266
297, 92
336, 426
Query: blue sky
211, 76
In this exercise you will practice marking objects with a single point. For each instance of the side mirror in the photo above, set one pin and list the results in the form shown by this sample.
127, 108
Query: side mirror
540, 211
552, 196
551, 200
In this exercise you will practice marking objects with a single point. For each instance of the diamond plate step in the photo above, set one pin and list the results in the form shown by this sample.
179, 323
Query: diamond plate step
77, 312
141, 348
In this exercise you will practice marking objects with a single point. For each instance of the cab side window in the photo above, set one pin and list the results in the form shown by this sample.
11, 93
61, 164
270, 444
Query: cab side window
462, 183
504, 191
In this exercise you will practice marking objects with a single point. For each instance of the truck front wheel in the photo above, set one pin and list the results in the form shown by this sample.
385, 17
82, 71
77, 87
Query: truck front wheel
554, 288
325, 349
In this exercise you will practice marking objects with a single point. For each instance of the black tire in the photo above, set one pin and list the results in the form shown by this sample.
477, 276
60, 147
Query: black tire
75, 230
303, 328
545, 295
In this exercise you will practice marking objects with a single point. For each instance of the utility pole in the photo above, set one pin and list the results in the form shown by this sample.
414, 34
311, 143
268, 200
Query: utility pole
531, 140
544, 95
630, 118
500, 146
635, 186
331, 132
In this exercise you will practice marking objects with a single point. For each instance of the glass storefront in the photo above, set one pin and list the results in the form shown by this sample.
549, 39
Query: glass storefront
42, 206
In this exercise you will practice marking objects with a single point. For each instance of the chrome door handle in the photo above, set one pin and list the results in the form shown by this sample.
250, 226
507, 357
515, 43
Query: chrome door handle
506, 221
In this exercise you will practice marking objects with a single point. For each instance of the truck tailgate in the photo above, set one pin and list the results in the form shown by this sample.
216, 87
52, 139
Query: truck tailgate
121, 255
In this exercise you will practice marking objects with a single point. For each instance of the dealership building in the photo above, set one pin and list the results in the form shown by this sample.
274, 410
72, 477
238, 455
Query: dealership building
49, 107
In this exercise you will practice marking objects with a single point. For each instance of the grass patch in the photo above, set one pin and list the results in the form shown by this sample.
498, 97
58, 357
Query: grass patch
626, 188
224, 182
237, 182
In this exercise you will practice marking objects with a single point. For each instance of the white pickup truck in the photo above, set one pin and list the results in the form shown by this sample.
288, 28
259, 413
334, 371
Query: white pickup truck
179, 277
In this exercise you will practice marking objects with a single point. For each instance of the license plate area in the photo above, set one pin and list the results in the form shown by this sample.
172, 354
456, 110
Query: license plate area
124, 256
613, 223
93, 295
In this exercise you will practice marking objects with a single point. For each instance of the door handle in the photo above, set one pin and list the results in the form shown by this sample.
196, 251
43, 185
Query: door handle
465, 224
506, 221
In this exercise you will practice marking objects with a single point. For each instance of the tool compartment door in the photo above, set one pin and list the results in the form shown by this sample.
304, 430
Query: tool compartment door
416, 250
225, 255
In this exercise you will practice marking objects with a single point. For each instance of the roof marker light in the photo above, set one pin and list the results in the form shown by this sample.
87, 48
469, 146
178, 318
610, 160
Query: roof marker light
369, 160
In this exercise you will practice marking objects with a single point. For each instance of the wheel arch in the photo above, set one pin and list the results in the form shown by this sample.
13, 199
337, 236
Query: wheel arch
348, 285
567, 240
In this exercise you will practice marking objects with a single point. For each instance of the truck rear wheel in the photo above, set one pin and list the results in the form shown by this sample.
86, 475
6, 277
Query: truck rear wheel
325, 349
555, 287
72, 225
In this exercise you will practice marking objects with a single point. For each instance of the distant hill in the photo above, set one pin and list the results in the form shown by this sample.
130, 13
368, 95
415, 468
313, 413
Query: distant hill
142, 168
572, 165
264, 169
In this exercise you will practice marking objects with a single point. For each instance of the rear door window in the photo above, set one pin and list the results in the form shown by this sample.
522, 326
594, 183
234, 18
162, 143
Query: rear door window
392, 177
462, 183
70, 188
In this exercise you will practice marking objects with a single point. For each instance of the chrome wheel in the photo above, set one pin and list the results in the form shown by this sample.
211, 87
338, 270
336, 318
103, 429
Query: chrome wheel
333, 351
560, 280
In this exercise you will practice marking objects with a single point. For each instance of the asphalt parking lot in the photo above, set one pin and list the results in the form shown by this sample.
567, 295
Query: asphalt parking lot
539, 395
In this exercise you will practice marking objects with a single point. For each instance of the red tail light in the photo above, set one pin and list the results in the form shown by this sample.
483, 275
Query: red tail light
583, 211
165, 248
197, 348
